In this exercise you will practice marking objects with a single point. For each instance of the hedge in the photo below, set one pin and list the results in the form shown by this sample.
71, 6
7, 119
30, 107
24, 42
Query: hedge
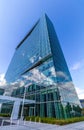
4, 115
54, 120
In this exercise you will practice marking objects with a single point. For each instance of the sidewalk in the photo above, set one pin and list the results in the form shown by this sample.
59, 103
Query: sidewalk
42, 126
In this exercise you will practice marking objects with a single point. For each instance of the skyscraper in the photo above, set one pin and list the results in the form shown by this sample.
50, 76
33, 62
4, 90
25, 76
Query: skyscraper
39, 63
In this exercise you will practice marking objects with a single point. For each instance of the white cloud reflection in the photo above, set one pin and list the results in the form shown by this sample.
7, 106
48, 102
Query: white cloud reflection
62, 74
38, 77
53, 71
32, 59
2, 80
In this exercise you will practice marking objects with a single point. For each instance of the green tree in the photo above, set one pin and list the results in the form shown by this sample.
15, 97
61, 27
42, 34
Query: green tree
82, 111
68, 110
77, 110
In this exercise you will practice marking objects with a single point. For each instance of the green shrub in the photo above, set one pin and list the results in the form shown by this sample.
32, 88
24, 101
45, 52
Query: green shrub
4, 115
54, 120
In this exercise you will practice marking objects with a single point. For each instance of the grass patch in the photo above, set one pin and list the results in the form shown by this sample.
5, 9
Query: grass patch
54, 120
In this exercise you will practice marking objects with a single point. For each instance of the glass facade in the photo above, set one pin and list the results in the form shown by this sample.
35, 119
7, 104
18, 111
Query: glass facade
39, 64
1, 91
82, 102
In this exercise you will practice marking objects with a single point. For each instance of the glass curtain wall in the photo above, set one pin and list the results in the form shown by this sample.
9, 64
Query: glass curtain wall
39, 63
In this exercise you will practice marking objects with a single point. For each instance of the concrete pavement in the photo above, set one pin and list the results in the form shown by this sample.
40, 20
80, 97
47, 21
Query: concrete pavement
42, 126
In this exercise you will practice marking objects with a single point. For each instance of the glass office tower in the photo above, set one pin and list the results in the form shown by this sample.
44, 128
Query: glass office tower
39, 64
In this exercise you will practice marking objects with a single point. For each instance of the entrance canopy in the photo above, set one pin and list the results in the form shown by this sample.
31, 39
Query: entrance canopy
7, 99
16, 104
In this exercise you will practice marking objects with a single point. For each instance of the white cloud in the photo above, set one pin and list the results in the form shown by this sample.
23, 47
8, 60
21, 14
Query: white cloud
80, 92
32, 59
76, 66
38, 77
53, 71
2, 80
62, 74
23, 54
79, 66
22, 83
40, 57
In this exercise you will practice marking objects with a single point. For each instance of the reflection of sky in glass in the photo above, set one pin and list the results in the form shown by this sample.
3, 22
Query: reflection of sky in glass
39, 60
35, 47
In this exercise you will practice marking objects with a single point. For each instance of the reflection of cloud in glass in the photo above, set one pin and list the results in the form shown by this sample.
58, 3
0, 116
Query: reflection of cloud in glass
2, 80
53, 73
32, 59
67, 85
68, 92
40, 57
23, 54
62, 74
38, 77
9, 87
22, 83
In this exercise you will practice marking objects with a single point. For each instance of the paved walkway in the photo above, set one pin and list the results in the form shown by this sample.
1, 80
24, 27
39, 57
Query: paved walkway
5, 121
42, 126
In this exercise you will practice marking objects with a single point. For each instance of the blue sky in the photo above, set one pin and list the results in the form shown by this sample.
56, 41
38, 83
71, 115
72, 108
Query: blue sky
18, 16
